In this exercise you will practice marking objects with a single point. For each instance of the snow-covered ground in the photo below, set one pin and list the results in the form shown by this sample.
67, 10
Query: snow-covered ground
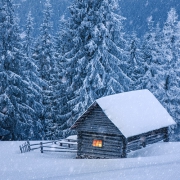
160, 161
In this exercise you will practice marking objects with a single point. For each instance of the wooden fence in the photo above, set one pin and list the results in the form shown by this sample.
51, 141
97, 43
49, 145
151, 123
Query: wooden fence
25, 147
63, 145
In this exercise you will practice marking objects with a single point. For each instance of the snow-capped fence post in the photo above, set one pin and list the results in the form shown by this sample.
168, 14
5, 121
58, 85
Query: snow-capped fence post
20, 149
25, 147
69, 144
29, 147
41, 146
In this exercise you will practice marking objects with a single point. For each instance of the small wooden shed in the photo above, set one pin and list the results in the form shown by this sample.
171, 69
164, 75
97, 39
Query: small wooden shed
116, 124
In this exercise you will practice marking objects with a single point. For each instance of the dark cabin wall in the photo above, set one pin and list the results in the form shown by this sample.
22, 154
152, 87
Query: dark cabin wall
139, 141
96, 121
117, 146
112, 145
96, 125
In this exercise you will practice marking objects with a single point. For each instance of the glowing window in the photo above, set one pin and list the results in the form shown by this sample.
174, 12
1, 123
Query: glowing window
97, 143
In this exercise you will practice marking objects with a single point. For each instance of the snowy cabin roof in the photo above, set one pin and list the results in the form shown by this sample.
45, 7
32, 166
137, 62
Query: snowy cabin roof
133, 113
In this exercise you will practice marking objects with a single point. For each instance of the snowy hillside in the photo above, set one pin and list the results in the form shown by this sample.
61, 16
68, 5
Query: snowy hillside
160, 161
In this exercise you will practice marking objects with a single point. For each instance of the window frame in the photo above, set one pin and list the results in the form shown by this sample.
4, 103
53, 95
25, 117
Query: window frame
100, 140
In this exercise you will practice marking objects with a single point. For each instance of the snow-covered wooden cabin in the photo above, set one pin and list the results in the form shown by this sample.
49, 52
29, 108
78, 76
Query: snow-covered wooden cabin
116, 124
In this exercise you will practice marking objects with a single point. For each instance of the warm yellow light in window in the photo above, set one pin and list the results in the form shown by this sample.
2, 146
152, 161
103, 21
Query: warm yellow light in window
97, 143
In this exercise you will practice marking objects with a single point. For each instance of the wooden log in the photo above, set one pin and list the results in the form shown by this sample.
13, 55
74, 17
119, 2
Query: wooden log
29, 147
105, 138
26, 147
20, 149
151, 141
41, 146
34, 144
35, 148
73, 151
124, 148
117, 152
100, 155
166, 136
79, 144
69, 144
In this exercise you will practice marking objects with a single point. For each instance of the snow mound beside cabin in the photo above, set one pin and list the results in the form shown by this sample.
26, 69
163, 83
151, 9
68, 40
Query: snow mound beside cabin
157, 149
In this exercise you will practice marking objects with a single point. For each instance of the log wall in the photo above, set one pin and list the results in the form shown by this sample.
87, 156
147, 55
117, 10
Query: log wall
139, 141
96, 121
112, 145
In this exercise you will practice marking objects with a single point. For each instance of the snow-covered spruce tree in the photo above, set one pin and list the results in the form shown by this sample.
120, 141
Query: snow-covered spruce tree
62, 45
28, 39
44, 56
154, 77
135, 65
31, 75
63, 38
15, 113
171, 52
95, 60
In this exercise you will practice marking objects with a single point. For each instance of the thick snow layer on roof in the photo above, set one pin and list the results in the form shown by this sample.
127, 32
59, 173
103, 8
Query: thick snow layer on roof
135, 112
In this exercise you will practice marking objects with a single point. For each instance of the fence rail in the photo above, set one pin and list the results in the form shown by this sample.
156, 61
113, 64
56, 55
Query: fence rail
62, 145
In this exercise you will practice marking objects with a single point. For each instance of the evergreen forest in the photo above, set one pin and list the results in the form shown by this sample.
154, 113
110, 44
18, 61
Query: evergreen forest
48, 81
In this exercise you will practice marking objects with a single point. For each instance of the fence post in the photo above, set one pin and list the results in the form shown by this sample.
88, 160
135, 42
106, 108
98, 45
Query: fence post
69, 144
20, 149
23, 148
41, 146
29, 147
26, 147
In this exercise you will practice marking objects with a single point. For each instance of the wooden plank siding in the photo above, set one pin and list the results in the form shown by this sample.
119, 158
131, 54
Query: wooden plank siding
96, 121
115, 146
135, 142
112, 145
